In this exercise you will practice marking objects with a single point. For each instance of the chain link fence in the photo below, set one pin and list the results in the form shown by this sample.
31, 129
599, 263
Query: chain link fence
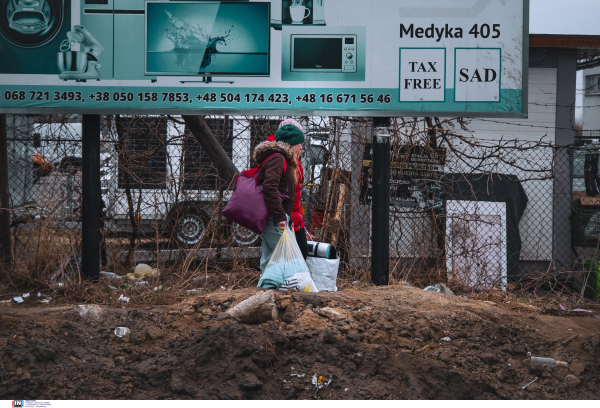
480, 213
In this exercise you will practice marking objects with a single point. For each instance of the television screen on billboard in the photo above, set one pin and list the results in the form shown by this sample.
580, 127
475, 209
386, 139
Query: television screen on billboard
210, 38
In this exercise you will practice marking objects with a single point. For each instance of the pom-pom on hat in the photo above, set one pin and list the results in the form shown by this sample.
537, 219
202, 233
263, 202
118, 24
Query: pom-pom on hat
291, 122
290, 134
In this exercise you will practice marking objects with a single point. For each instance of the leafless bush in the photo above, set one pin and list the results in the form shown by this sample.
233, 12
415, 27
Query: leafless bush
162, 201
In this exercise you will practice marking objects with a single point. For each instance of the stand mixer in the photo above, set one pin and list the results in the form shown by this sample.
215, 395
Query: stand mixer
79, 65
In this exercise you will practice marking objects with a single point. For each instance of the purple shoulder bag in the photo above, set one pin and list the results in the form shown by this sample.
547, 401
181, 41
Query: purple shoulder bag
247, 206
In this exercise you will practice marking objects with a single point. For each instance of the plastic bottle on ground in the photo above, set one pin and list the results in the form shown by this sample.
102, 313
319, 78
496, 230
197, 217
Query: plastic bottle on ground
547, 362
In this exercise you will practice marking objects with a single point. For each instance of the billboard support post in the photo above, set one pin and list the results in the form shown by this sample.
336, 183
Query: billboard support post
380, 238
91, 197
5, 244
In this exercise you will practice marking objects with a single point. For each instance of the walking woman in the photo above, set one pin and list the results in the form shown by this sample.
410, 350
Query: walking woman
297, 214
278, 180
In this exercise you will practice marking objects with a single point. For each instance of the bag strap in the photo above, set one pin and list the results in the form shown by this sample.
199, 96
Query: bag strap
270, 157
260, 168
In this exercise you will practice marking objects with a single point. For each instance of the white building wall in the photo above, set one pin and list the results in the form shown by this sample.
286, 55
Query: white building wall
591, 103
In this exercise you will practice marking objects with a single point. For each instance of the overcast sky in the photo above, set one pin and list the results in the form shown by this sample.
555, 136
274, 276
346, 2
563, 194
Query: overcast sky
566, 17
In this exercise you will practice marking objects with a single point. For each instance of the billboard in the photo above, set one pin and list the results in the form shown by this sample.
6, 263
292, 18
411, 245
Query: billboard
322, 57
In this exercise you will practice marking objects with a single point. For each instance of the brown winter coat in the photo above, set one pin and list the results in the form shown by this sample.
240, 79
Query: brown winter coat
274, 180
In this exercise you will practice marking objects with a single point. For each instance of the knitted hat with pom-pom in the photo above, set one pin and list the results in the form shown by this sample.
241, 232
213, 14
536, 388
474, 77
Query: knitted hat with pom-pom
290, 134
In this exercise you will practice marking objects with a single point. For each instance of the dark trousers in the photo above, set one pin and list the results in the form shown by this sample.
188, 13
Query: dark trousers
302, 242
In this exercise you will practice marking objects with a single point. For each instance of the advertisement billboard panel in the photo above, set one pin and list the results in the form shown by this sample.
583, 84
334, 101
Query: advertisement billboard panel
322, 57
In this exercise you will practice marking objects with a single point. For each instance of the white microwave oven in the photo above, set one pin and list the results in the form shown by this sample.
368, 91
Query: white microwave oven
311, 53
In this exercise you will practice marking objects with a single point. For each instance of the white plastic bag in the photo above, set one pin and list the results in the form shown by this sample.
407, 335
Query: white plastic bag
324, 272
286, 269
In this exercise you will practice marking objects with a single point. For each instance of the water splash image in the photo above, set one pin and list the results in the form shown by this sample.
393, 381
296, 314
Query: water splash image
191, 41
211, 49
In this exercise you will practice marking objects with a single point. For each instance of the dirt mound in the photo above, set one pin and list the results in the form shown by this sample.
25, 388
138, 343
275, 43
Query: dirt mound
375, 343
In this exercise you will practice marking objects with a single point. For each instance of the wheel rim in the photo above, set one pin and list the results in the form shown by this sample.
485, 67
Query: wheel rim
190, 229
243, 236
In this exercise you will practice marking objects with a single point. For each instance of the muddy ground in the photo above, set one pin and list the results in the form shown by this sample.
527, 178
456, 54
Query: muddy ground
385, 343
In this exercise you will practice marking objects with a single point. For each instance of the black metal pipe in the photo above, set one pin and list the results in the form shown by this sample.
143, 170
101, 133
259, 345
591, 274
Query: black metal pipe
380, 219
5, 242
91, 197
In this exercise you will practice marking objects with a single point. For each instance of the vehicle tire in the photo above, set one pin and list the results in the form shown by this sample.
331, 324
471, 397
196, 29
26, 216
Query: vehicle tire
190, 226
243, 237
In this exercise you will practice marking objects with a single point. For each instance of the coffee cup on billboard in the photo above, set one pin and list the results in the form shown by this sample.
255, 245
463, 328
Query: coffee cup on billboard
299, 13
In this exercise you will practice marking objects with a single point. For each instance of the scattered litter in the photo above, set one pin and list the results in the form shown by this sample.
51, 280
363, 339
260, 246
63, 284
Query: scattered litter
201, 278
298, 375
534, 380
191, 291
358, 355
18, 299
345, 389
405, 283
142, 271
356, 283
440, 288
6, 301
319, 383
142, 283
39, 294
109, 275
570, 329
509, 364
223, 287
121, 331
123, 298
531, 306
47, 300
89, 311
25, 295
112, 287
547, 362
507, 302
158, 288
561, 307
446, 339
126, 286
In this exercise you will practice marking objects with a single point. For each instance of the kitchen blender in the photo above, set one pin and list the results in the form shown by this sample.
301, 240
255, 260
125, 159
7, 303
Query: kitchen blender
79, 65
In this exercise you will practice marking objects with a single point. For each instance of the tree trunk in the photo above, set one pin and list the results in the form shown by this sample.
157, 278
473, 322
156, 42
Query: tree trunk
211, 146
